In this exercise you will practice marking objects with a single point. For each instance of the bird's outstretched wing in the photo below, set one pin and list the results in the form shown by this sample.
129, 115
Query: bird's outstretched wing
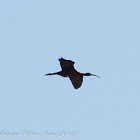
76, 80
66, 65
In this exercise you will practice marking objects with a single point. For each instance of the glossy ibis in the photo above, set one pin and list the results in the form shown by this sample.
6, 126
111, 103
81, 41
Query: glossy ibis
68, 70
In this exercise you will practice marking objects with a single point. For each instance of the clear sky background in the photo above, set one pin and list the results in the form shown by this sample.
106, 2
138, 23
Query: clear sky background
102, 37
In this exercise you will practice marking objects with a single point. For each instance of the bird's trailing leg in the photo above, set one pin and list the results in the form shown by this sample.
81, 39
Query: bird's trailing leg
56, 73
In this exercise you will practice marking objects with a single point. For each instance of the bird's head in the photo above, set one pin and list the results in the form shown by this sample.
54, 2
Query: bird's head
89, 74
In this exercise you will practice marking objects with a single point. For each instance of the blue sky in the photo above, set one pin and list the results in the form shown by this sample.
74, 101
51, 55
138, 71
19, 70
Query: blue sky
102, 37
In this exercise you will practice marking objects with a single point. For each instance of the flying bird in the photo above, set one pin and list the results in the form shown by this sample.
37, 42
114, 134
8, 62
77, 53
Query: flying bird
68, 70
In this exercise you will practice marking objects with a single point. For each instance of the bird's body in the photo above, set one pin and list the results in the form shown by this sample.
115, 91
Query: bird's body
68, 70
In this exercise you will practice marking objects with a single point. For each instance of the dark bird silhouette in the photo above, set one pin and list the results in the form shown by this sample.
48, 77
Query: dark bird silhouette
68, 70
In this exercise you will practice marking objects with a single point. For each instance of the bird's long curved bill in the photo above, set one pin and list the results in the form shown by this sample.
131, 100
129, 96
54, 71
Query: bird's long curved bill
95, 75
